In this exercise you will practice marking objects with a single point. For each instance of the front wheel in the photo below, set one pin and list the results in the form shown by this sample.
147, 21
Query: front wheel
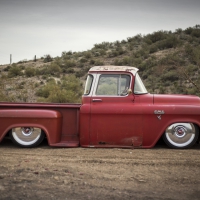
181, 135
27, 136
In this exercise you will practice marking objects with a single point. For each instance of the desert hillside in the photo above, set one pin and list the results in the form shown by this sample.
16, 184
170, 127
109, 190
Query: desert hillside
168, 62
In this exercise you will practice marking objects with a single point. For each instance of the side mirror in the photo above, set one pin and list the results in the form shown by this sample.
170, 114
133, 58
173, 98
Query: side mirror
129, 91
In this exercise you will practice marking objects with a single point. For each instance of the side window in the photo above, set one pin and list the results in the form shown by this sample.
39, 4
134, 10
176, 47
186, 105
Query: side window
113, 84
88, 84
139, 87
124, 84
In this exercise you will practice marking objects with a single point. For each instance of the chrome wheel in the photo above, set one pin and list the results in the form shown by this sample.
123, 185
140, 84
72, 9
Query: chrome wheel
27, 136
181, 135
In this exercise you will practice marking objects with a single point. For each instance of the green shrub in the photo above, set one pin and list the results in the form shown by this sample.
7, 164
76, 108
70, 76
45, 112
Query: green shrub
189, 49
50, 79
138, 38
102, 52
179, 31
130, 39
103, 45
188, 30
41, 71
38, 72
136, 61
118, 62
170, 76
162, 90
98, 62
147, 40
127, 61
4, 95
171, 59
191, 69
92, 61
5, 98
44, 91
170, 42
123, 41
196, 56
6, 69
22, 67
157, 36
68, 64
87, 55
47, 58
153, 48
80, 73
69, 90
58, 61
80, 65
193, 54
36, 85
64, 53
21, 85
70, 71
14, 71
29, 72
113, 53
196, 33
117, 43
120, 50
96, 53
44, 77
53, 69
83, 60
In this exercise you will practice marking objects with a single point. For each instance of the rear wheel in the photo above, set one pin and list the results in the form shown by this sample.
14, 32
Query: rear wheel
27, 136
181, 135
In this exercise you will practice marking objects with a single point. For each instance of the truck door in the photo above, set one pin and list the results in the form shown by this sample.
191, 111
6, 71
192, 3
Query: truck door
116, 117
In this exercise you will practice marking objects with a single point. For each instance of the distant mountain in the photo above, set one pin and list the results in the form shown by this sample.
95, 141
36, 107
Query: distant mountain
168, 62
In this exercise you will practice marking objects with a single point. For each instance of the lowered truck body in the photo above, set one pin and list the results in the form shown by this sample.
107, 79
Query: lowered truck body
116, 111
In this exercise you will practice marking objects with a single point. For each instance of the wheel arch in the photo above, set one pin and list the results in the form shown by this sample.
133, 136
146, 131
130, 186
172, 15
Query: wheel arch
50, 121
170, 122
195, 122
42, 127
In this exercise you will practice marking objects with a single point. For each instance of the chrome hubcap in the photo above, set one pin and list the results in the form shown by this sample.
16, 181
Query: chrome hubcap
26, 131
26, 135
180, 131
180, 134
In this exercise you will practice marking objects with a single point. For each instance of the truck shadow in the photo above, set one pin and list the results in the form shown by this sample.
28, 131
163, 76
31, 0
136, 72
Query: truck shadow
7, 143
161, 145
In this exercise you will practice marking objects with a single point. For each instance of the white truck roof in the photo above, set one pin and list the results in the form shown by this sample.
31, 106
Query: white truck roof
111, 68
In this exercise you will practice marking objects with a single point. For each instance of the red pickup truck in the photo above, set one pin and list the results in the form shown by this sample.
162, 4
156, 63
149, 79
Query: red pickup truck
116, 111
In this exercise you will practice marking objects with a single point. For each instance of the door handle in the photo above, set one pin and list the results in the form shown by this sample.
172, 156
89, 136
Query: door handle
97, 100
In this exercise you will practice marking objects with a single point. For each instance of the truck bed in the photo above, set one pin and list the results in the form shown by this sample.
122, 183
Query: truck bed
68, 137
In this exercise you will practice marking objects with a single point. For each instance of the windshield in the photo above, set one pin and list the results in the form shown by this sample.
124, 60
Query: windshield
139, 87
88, 84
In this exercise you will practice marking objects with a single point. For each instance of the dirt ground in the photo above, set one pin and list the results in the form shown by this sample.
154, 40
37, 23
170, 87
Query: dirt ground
81, 173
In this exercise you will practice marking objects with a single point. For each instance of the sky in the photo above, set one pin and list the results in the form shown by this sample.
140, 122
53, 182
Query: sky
41, 27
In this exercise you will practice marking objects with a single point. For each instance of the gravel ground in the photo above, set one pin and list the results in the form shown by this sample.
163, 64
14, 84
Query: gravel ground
83, 173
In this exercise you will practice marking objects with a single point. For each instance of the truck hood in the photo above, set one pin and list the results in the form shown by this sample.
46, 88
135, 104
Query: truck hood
175, 99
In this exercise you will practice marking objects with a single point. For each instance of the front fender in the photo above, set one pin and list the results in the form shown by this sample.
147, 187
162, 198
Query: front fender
155, 123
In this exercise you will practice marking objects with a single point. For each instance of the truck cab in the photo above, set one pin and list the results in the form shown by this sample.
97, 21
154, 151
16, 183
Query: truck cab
117, 111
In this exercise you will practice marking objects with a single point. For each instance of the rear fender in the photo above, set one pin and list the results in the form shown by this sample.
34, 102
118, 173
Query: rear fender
49, 121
